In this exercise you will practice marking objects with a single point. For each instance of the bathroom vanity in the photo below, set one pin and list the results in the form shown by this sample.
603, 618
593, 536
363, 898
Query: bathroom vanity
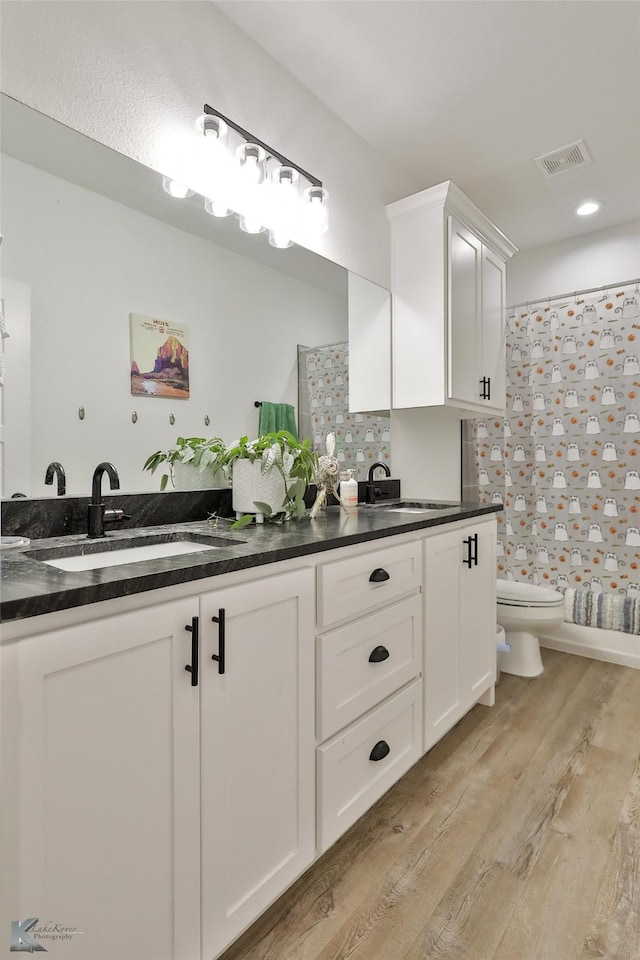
183, 737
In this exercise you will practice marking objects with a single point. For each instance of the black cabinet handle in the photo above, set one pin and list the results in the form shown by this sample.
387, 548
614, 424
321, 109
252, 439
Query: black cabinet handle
192, 667
471, 543
379, 575
220, 655
488, 397
378, 655
485, 388
380, 751
467, 560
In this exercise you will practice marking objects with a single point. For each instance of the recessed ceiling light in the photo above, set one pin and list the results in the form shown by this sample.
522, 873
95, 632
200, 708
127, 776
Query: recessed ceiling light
587, 208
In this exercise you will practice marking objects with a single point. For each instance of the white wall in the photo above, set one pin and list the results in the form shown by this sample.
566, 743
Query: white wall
605, 256
426, 452
90, 262
130, 73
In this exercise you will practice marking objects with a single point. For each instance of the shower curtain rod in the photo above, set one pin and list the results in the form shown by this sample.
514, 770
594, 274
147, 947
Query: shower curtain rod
572, 293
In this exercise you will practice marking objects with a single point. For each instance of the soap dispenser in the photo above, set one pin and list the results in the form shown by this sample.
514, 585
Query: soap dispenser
348, 491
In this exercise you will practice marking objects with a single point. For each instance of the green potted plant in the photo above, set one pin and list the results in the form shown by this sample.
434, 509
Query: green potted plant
193, 463
269, 476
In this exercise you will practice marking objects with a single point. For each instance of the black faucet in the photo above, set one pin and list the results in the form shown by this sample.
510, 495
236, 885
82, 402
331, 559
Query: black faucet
97, 513
370, 496
56, 469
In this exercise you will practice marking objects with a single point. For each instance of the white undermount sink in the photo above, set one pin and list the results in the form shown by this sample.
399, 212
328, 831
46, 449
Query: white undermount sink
415, 509
112, 558
92, 555
411, 506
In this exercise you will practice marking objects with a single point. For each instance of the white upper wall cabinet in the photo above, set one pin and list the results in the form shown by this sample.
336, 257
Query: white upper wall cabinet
448, 280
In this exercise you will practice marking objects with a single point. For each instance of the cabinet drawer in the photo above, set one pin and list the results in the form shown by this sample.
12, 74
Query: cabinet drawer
346, 587
349, 781
362, 663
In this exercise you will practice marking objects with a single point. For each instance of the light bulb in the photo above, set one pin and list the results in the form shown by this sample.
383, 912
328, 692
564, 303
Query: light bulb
216, 208
213, 128
175, 189
285, 179
283, 205
251, 158
317, 213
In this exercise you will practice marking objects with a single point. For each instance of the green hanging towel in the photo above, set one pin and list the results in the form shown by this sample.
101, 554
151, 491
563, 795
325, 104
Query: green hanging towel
277, 416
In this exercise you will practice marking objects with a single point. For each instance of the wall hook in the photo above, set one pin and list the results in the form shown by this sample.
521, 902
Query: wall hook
172, 419
81, 413
134, 417
207, 421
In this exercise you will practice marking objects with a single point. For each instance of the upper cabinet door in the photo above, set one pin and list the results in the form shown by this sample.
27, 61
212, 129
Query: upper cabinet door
100, 776
465, 314
492, 352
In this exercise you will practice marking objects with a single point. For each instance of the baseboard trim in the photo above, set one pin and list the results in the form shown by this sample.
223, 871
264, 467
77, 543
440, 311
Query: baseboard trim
613, 646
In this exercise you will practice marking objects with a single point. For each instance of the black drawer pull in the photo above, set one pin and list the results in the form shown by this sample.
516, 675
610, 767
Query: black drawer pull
378, 655
220, 656
379, 575
471, 544
192, 667
380, 751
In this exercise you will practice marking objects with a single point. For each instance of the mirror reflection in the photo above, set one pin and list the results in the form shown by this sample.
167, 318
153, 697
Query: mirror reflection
92, 240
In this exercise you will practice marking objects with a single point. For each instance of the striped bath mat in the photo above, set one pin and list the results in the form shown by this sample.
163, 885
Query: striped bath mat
589, 608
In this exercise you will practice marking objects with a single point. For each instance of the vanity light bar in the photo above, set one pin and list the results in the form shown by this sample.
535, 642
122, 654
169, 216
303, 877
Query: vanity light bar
265, 146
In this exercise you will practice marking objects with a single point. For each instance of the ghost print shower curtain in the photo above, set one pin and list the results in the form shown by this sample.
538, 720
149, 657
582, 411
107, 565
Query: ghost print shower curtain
565, 462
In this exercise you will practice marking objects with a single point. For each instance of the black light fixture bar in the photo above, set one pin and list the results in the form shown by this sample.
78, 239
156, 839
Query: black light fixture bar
249, 137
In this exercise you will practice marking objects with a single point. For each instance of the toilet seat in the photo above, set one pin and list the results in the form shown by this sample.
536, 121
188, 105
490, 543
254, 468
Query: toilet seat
512, 593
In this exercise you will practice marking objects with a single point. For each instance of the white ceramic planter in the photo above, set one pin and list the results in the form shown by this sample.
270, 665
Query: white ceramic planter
186, 477
251, 485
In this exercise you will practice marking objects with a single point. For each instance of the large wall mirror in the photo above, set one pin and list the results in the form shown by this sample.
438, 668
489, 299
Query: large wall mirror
90, 238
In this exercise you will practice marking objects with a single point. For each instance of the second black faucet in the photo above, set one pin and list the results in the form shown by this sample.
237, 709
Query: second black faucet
370, 496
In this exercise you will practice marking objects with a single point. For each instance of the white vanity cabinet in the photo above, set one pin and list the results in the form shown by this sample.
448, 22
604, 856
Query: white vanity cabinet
448, 278
100, 776
257, 739
368, 676
159, 809
459, 623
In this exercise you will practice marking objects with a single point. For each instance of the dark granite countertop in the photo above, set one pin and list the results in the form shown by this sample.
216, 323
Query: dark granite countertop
30, 587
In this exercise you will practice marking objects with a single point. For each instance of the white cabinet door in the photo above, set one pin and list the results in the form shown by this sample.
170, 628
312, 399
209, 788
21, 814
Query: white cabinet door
100, 772
494, 364
478, 611
258, 756
459, 624
442, 670
465, 312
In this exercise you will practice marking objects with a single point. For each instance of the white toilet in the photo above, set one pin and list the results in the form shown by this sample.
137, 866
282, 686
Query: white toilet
525, 611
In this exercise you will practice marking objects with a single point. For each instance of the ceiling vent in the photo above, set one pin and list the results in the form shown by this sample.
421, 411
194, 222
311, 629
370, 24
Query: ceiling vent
565, 159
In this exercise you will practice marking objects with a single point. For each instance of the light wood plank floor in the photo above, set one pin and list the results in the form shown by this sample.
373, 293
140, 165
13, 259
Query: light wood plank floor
516, 838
